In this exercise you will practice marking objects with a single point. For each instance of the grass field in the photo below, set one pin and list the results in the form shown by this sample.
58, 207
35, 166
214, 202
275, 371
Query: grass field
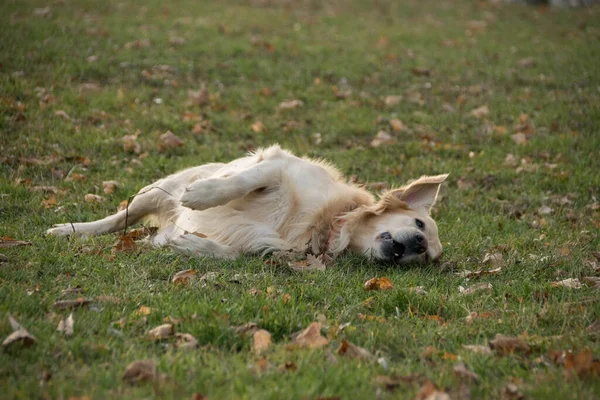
503, 97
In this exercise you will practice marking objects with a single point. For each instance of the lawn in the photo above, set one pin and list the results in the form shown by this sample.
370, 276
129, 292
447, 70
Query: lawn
504, 97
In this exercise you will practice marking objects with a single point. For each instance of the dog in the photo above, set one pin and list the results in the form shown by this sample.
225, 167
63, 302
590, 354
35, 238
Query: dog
272, 201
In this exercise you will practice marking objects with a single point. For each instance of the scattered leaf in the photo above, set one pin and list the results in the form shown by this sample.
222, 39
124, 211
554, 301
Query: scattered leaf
462, 372
511, 392
130, 144
44, 189
93, 198
124, 245
592, 281
161, 332
478, 349
140, 371
382, 137
70, 304
19, 335
291, 104
65, 326
143, 310
184, 277
526, 62
7, 241
62, 114
545, 210
475, 288
480, 112
418, 71
430, 392
110, 186
351, 350
258, 127
519, 138
262, 341
310, 338
200, 97
392, 100
248, 329
169, 140
378, 284
186, 341
582, 364
571, 283
496, 260
49, 202
504, 345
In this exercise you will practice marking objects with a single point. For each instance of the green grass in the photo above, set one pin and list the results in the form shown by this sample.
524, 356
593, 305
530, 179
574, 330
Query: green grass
301, 50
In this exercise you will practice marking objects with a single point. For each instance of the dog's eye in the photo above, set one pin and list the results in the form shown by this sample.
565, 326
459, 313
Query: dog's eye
420, 224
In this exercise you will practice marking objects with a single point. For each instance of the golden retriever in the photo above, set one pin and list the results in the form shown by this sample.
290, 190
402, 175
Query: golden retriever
272, 201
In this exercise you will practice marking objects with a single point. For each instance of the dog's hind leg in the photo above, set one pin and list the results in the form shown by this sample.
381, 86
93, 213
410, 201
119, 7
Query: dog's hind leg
202, 247
207, 193
150, 200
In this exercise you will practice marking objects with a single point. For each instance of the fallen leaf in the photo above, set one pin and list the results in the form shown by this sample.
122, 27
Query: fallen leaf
66, 325
392, 382
571, 283
184, 277
480, 112
511, 392
504, 345
161, 332
93, 198
186, 341
124, 244
392, 100
478, 349
42, 12
418, 71
258, 127
545, 210
475, 288
592, 281
310, 338
262, 341
582, 364
7, 241
519, 138
90, 87
44, 189
143, 310
311, 263
420, 290
69, 304
19, 335
430, 392
382, 137
378, 284
130, 144
62, 114
475, 274
169, 140
200, 97
462, 372
248, 328
351, 350
140, 371
291, 104
49, 202
496, 260
110, 186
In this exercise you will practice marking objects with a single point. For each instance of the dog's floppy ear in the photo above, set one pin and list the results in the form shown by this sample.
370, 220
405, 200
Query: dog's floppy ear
421, 193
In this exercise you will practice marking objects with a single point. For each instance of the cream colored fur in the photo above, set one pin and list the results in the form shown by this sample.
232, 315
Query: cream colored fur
272, 200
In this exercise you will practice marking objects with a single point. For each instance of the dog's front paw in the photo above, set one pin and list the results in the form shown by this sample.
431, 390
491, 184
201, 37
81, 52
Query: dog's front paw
62, 230
202, 195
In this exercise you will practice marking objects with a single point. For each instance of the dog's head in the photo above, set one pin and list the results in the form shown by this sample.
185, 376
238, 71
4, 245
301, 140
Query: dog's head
399, 228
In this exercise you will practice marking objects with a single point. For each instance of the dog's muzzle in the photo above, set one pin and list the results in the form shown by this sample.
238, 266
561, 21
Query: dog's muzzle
403, 250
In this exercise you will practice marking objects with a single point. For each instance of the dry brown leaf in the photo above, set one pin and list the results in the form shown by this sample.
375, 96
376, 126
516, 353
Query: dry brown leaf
7, 241
258, 127
161, 332
44, 189
90, 87
186, 341
140, 371
571, 283
93, 198
419, 71
545, 210
62, 114
66, 325
200, 97
397, 125
311, 263
582, 364
504, 345
480, 112
138, 44
353, 351
70, 304
130, 144
462, 372
592, 281
124, 245
496, 260
475, 288
291, 104
382, 137
19, 335
262, 341
184, 277
49, 202
478, 349
420, 290
430, 392
110, 186
248, 329
519, 138
378, 284
143, 310
392, 100
310, 338
475, 274
511, 392
169, 140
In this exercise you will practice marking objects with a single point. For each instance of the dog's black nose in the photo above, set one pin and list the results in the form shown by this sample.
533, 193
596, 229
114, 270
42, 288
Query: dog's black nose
386, 236
419, 238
